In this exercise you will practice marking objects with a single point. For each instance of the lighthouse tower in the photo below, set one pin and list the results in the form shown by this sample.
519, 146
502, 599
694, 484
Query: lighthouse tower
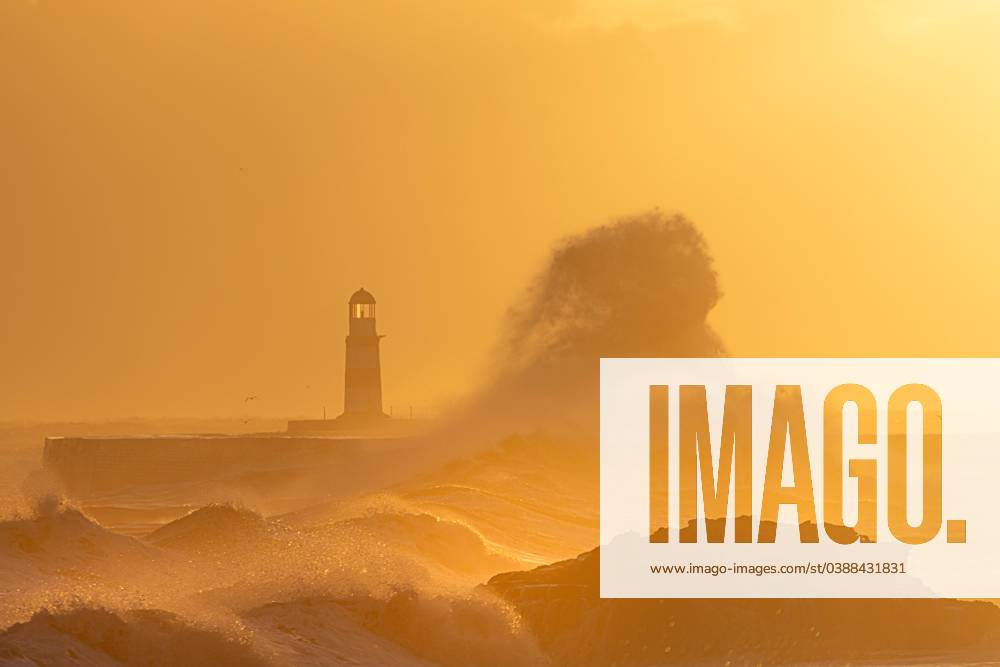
362, 371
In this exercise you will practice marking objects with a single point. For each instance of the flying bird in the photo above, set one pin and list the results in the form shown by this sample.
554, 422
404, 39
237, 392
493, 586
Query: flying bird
250, 398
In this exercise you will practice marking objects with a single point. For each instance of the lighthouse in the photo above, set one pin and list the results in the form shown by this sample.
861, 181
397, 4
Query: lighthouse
362, 368
363, 415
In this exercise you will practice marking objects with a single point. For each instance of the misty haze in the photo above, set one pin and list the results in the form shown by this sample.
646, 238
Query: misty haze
303, 308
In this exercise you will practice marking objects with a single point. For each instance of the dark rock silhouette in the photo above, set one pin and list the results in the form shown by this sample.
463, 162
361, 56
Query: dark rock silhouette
561, 605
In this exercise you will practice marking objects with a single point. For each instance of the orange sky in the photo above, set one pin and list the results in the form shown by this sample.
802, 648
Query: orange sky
189, 191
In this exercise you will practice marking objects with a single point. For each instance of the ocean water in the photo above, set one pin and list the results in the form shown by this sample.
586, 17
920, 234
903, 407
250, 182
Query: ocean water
486, 558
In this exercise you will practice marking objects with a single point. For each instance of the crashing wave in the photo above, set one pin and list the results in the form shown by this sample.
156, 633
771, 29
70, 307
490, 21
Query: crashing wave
213, 526
103, 638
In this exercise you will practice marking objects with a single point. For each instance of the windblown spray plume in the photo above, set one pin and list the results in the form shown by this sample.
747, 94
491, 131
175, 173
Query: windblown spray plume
640, 286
